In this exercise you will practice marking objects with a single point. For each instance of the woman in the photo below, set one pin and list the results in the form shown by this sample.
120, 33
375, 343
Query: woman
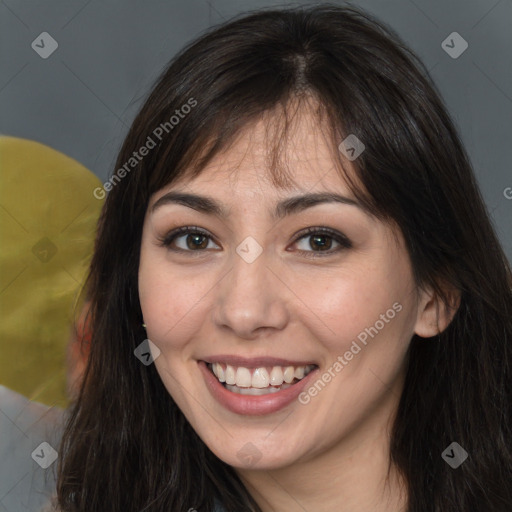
373, 376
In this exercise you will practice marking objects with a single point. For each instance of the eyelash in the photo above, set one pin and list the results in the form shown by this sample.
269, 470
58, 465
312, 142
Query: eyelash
344, 242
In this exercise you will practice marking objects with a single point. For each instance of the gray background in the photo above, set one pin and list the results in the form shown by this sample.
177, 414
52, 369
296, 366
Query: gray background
82, 98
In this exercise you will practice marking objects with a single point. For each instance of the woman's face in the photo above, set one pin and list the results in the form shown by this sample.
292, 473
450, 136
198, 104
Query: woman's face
260, 294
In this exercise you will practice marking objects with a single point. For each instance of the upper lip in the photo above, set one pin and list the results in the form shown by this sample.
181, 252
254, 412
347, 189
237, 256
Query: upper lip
254, 362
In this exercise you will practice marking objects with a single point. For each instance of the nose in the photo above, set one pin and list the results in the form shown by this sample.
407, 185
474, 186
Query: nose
251, 300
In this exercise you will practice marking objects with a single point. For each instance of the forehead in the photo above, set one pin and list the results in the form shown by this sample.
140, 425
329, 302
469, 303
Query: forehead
247, 175
274, 155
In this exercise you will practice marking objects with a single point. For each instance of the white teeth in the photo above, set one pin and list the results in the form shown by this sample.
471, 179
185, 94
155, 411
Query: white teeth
289, 374
276, 376
230, 375
259, 378
219, 371
243, 377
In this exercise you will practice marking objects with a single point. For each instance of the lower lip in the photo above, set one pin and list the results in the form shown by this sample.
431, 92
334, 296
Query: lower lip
253, 405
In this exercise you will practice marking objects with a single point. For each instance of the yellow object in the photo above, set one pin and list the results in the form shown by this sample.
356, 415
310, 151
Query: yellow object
48, 217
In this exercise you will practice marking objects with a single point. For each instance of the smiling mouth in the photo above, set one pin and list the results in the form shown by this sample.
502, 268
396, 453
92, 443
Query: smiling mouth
258, 381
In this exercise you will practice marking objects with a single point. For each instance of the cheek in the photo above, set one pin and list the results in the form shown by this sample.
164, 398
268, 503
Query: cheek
348, 305
171, 303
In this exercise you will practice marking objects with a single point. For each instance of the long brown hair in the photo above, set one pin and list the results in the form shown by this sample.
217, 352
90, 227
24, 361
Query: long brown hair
126, 444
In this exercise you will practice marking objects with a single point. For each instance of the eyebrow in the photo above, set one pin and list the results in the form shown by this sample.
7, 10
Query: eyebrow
288, 206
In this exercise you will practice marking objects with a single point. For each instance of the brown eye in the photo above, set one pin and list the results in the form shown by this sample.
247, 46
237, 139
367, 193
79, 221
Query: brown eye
320, 240
323, 242
196, 241
190, 239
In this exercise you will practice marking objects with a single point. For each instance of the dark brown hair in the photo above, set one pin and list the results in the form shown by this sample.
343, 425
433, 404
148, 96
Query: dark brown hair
126, 444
